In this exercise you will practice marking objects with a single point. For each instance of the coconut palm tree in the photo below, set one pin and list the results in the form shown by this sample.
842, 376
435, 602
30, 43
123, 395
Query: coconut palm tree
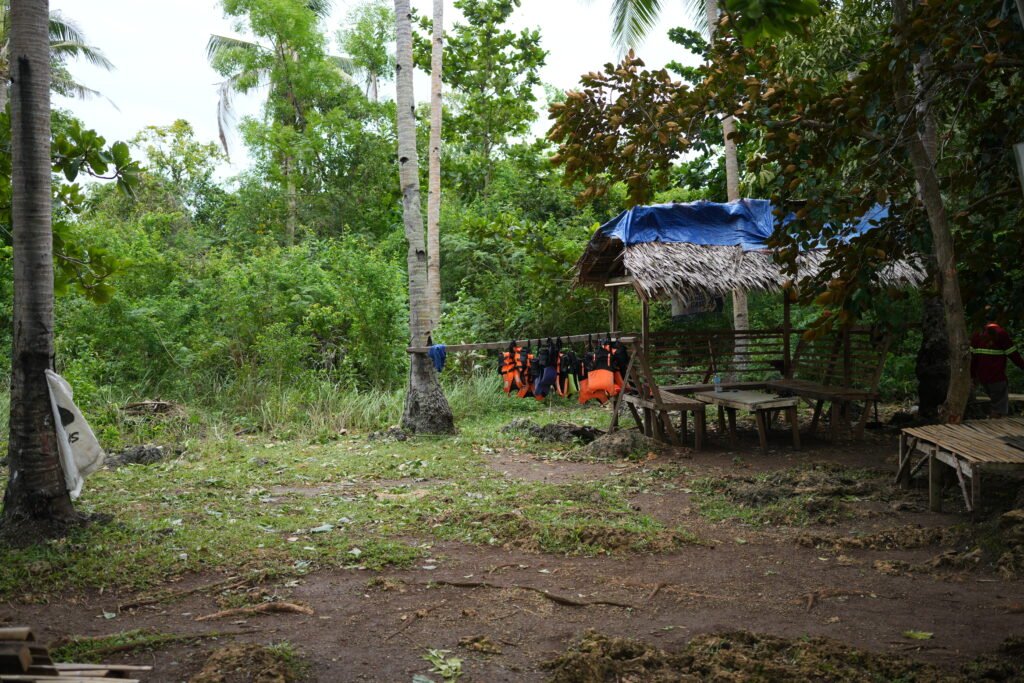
67, 42
434, 169
36, 490
426, 408
632, 20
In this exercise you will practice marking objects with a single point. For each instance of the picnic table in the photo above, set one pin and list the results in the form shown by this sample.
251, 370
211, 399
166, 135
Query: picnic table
761, 403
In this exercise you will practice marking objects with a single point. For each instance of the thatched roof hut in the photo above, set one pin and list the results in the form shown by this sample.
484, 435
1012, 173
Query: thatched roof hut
704, 250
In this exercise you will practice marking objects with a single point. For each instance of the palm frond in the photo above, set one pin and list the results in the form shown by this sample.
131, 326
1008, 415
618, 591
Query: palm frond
63, 30
225, 91
346, 66
217, 44
321, 8
87, 52
632, 20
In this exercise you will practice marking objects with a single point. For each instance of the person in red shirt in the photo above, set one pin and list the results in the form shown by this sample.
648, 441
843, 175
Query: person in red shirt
990, 348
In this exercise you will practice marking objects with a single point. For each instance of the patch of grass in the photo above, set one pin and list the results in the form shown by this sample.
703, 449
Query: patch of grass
93, 649
578, 518
290, 659
285, 508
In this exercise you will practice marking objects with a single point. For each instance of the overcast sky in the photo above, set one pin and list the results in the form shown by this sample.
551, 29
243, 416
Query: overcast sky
158, 49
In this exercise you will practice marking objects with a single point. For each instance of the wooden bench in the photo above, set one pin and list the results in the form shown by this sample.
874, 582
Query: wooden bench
969, 448
839, 369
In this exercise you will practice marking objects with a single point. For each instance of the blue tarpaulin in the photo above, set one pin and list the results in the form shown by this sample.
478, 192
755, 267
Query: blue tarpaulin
747, 222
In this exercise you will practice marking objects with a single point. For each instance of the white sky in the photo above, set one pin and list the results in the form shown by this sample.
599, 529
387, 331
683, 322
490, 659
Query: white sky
158, 49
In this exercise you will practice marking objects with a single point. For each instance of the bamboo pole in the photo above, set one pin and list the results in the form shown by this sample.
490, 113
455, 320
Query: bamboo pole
500, 345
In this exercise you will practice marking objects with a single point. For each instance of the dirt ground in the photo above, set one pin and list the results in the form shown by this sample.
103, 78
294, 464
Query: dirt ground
504, 612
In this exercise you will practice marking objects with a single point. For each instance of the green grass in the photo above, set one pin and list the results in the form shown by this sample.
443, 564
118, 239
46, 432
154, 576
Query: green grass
93, 650
249, 503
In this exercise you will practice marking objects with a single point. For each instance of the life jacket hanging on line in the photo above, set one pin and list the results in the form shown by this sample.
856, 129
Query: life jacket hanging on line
604, 381
525, 367
547, 370
508, 368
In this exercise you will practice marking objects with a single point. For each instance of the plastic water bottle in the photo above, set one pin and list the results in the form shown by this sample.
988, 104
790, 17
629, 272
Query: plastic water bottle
718, 383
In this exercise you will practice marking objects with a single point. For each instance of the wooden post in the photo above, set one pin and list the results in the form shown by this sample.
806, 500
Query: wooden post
934, 482
613, 311
699, 428
787, 370
645, 329
847, 368
976, 487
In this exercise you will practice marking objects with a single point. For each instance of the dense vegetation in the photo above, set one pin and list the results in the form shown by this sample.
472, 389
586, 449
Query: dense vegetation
276, 299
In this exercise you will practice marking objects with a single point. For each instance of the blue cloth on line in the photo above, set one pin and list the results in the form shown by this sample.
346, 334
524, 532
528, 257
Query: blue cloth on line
438, 354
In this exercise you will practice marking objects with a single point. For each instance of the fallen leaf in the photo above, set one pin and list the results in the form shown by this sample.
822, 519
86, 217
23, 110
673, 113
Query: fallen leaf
918, 635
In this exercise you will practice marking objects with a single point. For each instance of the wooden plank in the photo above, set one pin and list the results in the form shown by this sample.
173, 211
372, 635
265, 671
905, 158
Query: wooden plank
15, 657
746, 400
794, 426
699, 428
762, 430
68, 666
32, 678
502, 345
674, 403
16, 633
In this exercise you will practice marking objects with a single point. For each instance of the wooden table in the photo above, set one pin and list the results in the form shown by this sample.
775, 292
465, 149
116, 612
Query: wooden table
761, 403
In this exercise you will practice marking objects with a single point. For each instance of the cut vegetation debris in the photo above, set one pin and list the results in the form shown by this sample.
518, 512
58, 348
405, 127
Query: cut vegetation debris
744, 656
555, 432
814, 494
252, 664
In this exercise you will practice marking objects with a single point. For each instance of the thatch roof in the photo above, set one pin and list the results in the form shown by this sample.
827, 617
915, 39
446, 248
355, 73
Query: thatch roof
685, 270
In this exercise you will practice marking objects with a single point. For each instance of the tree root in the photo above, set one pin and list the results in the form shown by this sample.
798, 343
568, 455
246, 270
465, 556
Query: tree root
262, 608
553, 597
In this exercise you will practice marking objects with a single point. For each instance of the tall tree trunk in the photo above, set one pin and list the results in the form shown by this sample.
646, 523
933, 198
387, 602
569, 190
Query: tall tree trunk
434, 171
426, 408
932, 367
740, 309
942, 243
36, 490
291, 197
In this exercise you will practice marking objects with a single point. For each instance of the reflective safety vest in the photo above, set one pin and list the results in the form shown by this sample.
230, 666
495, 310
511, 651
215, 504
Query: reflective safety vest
989, 350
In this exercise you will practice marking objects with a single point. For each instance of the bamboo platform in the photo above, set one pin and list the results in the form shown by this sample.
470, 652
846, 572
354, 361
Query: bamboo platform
970, 449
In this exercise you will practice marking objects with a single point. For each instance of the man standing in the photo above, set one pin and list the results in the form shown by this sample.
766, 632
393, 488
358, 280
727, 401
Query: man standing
989, 350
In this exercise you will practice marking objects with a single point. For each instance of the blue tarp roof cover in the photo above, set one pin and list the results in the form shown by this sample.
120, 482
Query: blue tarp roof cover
746, 222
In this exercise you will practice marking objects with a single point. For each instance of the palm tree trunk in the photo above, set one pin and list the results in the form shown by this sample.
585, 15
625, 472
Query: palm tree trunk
36, 490
426, 408
740, 309
434, 172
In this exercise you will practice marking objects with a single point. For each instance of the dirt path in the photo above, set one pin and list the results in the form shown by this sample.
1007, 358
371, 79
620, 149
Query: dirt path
371, 626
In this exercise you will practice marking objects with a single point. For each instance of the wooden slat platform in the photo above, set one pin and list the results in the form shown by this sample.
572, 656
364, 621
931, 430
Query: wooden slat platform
970, 449
978, 441
22, 660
